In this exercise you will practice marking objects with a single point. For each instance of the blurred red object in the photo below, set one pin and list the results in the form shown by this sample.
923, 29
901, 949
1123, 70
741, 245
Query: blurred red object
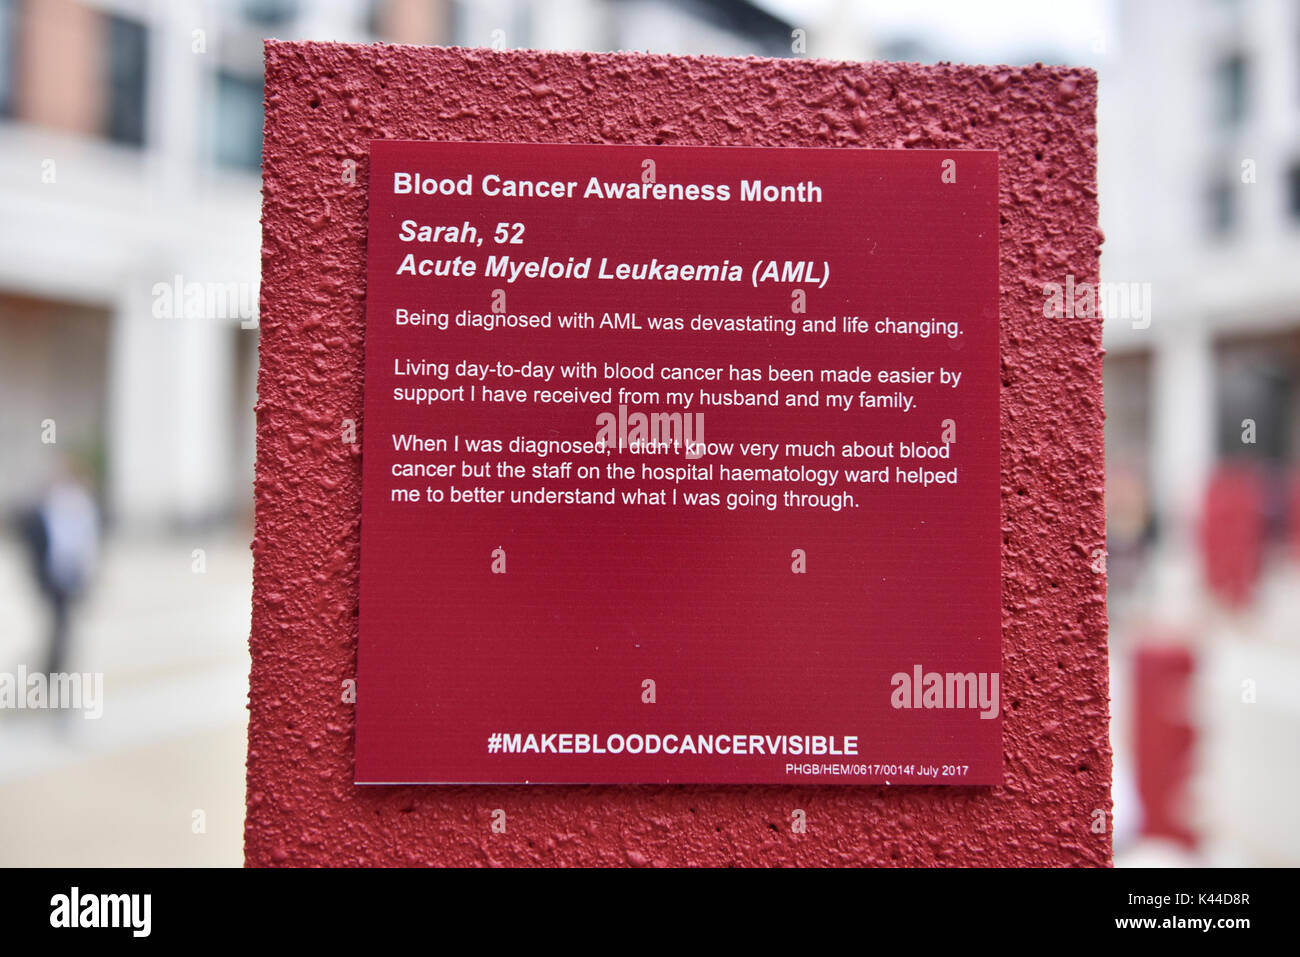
1293, 516
1232, 533
1165, 739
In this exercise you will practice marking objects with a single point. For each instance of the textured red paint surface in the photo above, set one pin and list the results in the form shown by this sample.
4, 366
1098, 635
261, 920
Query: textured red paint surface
324, 102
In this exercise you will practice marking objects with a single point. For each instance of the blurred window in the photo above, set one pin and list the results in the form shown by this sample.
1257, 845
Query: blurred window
1222, 203
238, 133
270, 12
1231, 83
457, 24
8, 34
128, 49
1293, 189
1258, 409
374, 18
1257, 380
476, 23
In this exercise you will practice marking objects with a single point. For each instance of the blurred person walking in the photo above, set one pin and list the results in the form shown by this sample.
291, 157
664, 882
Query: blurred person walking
62, 536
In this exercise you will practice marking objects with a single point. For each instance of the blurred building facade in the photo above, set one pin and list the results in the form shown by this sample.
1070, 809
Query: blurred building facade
1200, 187
129, 147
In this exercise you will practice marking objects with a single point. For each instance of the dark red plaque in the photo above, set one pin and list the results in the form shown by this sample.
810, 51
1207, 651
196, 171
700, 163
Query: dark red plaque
680, 466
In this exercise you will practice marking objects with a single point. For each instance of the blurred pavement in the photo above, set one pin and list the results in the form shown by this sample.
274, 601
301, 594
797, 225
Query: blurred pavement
172, 646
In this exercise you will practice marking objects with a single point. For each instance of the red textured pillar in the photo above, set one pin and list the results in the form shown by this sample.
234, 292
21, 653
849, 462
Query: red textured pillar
323, 103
